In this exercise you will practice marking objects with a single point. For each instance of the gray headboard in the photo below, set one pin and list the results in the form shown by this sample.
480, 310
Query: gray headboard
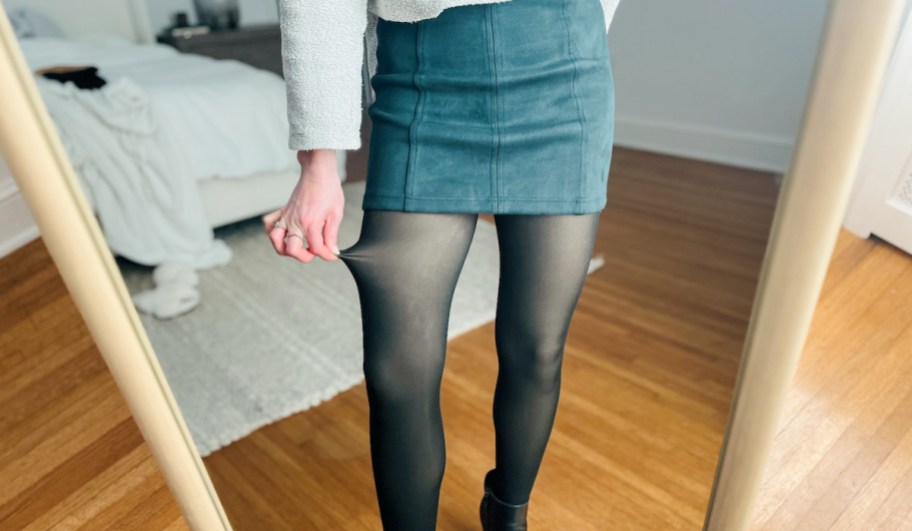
123, 18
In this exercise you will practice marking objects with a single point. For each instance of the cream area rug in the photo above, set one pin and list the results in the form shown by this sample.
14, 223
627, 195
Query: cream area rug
272, 336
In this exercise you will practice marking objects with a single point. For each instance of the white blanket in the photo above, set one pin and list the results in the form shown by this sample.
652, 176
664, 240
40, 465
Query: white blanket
229, 117
164, 121
130, 165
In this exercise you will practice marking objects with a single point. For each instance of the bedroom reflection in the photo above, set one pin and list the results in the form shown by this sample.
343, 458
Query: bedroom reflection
176, 154
180, 145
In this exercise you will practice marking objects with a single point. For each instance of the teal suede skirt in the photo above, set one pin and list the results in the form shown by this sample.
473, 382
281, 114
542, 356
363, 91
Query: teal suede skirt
500, 108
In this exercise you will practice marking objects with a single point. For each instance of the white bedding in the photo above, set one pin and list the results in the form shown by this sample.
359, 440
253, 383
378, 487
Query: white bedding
230, 116
133, 174
163, 121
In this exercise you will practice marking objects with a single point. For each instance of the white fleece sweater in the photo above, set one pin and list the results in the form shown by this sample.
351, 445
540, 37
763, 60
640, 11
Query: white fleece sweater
329, 56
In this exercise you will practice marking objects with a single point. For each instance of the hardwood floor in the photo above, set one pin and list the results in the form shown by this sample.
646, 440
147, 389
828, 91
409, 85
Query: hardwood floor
842, 458
649, 368
71, 456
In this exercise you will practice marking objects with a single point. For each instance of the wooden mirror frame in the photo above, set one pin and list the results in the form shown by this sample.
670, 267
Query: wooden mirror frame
853, 56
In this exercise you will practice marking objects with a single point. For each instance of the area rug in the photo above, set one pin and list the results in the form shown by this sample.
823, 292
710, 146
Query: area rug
273, 337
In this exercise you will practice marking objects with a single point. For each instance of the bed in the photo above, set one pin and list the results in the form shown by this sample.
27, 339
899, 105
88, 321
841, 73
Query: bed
195, 143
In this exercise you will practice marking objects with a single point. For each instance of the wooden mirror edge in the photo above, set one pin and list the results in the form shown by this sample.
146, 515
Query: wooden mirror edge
44, 176
852, 60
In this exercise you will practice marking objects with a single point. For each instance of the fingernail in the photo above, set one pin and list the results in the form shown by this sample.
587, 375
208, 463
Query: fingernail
335, 249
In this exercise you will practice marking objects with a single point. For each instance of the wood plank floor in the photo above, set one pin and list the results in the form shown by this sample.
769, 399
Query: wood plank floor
842, 458
71, 456
650, 363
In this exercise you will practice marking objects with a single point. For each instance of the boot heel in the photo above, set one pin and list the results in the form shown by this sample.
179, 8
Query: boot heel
497, 515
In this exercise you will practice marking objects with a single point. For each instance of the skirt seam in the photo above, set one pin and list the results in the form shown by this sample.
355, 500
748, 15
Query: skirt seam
413, 141
495, 111
579, 112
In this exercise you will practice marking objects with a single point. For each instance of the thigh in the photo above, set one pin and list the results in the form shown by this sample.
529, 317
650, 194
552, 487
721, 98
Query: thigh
404, 251
406, 265
544, 260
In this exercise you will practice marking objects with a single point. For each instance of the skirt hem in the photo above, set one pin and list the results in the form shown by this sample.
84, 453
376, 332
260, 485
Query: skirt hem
501, 205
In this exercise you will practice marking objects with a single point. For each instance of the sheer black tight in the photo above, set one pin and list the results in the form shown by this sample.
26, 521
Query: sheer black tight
406, 265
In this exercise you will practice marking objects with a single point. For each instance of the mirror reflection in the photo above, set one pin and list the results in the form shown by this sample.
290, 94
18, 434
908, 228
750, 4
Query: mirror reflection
571, 316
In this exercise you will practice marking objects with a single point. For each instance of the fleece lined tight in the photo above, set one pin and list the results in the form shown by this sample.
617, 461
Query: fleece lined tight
406, 265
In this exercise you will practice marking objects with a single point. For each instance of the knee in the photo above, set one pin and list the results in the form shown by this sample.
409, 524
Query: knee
535, 356
398, 379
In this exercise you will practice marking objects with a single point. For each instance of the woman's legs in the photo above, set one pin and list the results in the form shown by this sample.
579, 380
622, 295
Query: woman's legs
405, 265
544, 260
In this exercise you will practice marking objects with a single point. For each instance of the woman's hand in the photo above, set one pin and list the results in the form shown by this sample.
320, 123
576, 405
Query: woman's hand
314, 210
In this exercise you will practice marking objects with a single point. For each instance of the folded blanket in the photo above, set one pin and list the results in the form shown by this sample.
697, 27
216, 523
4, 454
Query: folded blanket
134, 174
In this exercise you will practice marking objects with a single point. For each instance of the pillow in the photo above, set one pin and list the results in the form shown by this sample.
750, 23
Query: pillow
28, 23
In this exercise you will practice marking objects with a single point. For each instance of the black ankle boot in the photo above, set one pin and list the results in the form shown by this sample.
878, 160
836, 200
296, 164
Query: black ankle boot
497, 515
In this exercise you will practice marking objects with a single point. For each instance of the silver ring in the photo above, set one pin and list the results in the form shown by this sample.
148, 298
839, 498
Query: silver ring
303, 240
277, 225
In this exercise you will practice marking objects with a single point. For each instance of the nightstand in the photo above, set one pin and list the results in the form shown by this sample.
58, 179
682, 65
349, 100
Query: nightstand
259, 46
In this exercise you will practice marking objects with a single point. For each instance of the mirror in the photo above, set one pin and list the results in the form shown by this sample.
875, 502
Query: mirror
244, 369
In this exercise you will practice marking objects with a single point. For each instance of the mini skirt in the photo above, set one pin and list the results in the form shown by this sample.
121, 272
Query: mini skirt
501, 108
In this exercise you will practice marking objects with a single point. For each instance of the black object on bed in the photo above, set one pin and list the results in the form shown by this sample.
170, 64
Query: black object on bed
84, 78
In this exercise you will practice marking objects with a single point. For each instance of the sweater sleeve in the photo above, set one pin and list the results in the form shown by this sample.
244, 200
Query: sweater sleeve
322, 60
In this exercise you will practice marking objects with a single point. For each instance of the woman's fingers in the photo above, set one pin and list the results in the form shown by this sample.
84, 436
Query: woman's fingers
314, 233
309, 223
277, 237
270, 218
294, 247
276, 234
331, 233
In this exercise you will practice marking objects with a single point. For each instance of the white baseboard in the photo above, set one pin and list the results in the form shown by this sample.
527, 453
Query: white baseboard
17, 226
735, 148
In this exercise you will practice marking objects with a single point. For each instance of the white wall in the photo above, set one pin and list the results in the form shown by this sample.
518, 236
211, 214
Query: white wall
721, 80
252, 12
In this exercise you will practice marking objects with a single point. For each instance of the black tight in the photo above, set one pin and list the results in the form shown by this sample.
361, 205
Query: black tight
405, 265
